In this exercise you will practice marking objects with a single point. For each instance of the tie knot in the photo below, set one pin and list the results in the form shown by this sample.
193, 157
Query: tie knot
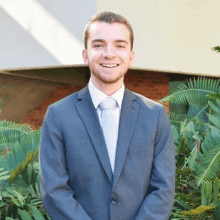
107, 103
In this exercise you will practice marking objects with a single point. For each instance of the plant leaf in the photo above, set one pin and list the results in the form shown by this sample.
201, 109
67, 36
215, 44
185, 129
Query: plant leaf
35, 212
199, 210
24, 215
214, 95
15, 201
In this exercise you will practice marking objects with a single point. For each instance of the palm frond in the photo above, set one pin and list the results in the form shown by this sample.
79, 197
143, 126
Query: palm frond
9, 125
215, 107
215, 116
20, 151
11, 132
178, 97
215, 120
206, 162
207, 166
3, 175
214, 96
195, 92
177, 118
210, 191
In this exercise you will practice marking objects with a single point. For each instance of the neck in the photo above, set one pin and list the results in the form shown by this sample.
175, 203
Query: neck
108, 88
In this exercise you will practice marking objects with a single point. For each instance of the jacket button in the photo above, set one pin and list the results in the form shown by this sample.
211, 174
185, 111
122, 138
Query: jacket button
114, 201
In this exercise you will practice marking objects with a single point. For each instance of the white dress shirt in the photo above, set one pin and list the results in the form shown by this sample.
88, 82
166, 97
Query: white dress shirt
97, 96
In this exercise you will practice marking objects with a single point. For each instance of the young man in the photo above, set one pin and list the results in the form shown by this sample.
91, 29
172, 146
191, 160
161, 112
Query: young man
107, 153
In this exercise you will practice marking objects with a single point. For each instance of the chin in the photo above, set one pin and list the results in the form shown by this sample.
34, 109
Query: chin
110, 80
107, 77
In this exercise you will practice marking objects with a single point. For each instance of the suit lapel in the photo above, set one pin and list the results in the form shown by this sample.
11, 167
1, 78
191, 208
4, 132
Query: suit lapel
129, 113
90, 119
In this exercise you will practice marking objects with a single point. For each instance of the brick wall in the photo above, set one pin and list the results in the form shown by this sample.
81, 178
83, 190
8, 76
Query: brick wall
35, 118
150, 84
153, 85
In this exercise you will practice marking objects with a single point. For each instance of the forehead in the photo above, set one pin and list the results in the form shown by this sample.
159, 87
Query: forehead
106, 31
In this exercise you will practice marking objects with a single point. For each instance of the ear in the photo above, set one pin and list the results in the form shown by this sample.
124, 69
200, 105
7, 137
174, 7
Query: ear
131, 58
85, 56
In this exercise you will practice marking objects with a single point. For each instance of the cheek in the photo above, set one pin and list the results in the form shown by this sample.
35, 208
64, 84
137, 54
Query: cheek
125, 56
127, 61
94, 56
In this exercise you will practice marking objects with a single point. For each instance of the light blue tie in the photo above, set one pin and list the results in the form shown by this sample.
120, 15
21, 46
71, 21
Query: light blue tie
109, 126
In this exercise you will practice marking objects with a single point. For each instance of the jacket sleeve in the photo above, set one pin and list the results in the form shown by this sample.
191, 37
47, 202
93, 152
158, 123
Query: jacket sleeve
160, 197
57, 196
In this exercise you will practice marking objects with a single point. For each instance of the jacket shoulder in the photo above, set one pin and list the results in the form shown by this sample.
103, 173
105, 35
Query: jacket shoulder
142, 100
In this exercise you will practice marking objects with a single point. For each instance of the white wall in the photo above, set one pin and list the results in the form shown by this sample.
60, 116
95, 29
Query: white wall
190, 29
170, 35
173, 35
18, 48
37, 33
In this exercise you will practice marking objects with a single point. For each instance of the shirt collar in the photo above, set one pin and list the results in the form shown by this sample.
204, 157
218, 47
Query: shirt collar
97, 95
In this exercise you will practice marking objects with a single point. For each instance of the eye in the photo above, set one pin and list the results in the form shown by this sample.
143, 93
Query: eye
97, 45
120, 46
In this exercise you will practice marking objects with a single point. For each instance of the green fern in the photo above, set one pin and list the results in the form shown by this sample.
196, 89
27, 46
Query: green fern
177, 118
195, 92
208, 160
202, 140
20, 195
215, 116
23, 196
11, 132
16, 204
19, 151
210, 192
3, 175
207, 165
214, 96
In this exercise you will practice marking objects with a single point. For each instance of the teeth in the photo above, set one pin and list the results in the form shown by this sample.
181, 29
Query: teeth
109, 65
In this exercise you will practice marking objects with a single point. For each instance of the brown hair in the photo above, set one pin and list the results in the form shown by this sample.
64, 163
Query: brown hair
108, 17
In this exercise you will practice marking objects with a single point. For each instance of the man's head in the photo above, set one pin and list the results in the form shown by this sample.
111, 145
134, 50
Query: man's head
108, 49
108, 17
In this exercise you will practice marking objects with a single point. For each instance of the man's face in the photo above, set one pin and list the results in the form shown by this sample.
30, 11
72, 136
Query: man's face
108, 53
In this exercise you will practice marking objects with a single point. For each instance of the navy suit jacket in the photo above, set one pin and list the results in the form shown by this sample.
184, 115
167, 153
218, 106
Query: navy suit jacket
76, 179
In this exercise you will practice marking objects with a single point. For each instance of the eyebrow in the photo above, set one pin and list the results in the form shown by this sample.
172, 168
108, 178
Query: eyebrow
117, 41
121, 41
97, 40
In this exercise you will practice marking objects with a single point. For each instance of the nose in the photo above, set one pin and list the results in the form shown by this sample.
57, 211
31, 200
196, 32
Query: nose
109, 52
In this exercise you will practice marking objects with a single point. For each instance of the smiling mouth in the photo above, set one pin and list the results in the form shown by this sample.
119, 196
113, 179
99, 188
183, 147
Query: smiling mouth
109, 65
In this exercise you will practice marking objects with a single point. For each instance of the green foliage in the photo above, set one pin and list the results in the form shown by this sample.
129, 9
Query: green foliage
197, 141
176, 119
2, 174
195, 92
214, 96
207, 164
214, 117
208, 158
19, 192
210, 192
23, 141
10, 132
22, 169
217, 49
